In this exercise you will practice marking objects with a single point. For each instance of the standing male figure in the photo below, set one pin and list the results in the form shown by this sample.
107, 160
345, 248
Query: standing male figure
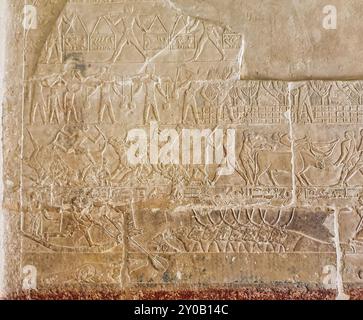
129, 21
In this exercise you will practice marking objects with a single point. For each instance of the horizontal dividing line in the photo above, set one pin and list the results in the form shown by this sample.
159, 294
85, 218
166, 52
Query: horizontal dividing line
88, 253
113, 3
143, 63
60, 126
359, 187
187, 253
237, 285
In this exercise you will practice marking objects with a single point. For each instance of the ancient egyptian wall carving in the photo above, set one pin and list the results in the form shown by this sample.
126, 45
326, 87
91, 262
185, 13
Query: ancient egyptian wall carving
80, 216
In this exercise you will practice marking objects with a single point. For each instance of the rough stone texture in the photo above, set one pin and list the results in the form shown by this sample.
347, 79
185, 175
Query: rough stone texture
81, 221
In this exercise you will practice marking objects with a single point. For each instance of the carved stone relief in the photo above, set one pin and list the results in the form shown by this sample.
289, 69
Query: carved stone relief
137, 157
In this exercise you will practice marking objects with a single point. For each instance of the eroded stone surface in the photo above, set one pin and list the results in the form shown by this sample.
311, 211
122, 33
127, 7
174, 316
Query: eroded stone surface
277, 204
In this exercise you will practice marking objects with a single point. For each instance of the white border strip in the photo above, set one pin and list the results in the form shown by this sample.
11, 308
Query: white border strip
3, 37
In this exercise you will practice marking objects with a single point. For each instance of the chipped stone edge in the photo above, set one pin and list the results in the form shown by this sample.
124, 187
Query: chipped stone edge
341, 295
3, 23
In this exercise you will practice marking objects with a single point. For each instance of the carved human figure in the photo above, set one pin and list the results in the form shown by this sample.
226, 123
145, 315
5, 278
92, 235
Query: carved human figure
97, 175
357, 161
107, 86
81, 210
312, 155
210, 33
37, 100
306, 109
79, 139
178, 187
230, 106
356, 238
348, 149
210, 94
246, 162
169, 93
189, 102
122, 170
129, 21
36, 213
55, 97
54, 42
150, 83
73, 80
223, 103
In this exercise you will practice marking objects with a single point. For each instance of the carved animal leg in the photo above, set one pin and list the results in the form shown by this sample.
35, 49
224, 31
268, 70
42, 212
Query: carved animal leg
203, 40
217, 47
135, 43
147, 112
87, 235
185, 113
242, 247
197, 247
111, 113
33, 113
303, 177
119, 49
57, 114
195, 113
258, 176
155, 111
73, 108
101, 113
271, 177
353, 171
343, 178
233, 246
301, 181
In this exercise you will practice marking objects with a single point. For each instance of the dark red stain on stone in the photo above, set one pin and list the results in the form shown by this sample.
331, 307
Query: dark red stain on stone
205, 294
355, 294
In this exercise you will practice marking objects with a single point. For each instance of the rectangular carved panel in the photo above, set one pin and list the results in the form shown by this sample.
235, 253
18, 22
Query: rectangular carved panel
138, 160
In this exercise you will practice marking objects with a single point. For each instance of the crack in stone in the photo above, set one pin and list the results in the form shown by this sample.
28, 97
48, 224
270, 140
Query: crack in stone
161, 52
179, 10
288, 116
341, 295
339, 278
240, 59
173, 6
